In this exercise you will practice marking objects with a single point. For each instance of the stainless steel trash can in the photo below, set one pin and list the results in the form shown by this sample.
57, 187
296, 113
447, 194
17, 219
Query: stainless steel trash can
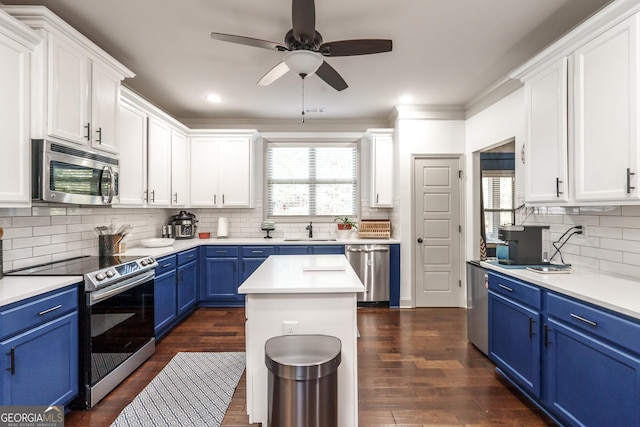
303, 380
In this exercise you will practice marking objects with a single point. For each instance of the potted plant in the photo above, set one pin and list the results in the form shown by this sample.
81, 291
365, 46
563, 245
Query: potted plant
345, 225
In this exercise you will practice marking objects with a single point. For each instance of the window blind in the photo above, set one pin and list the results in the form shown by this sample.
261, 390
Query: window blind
316, 179
498, 192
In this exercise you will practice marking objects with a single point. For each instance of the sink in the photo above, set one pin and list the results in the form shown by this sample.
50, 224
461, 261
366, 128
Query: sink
306, 239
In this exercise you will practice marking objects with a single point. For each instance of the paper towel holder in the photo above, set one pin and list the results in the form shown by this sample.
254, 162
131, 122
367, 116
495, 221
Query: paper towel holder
223, 227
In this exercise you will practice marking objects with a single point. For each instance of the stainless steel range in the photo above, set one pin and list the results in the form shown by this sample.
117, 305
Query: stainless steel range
116, 318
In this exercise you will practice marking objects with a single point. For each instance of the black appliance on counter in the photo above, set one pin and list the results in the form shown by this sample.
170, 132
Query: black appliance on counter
524, 244
184, 225
116, 321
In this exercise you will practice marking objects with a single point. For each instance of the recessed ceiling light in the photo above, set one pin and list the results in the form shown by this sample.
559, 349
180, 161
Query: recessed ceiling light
216, 99
406, 99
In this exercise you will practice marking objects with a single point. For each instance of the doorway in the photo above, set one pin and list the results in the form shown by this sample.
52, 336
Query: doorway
437, 219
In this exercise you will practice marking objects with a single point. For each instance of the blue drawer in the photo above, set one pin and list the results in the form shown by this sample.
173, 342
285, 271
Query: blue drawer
515, 290
37, 311
187, 256
598, 322
165, 264
258, 251
221, 251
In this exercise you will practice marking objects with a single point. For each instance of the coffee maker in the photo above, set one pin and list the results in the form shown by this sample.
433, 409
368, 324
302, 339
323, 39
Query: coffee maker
184, 225
524, 244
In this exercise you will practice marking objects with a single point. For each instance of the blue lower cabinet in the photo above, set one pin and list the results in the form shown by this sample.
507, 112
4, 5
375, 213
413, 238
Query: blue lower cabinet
39, 346
187, 287
165, 305
514, 341
294, 250
589, 382
221, 278
327, 249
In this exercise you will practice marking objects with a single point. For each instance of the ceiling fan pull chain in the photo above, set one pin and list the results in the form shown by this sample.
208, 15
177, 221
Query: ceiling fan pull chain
303, 76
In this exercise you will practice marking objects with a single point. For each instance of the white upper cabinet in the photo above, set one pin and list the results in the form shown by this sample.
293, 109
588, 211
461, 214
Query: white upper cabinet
76, 84
179, 151
222, 170
132, 137
582, 98
547, 142
606, 116
382, 159
17, 42
159, 163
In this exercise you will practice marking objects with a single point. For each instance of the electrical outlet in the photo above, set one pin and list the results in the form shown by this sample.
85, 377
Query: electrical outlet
289, 327
584, 234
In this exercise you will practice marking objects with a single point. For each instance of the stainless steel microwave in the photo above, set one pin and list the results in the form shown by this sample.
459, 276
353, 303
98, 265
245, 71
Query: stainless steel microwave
67, 174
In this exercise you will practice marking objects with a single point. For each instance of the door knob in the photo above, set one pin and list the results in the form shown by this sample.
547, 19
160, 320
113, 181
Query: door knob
419, 239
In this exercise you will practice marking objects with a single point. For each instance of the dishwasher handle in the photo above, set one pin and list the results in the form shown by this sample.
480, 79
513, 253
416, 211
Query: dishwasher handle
381, 249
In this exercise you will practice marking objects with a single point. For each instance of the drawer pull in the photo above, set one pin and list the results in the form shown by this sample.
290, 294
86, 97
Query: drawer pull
57, 307
257, 252
12, 353
221, 252
506, 288
166, 265
190, 256
582, 319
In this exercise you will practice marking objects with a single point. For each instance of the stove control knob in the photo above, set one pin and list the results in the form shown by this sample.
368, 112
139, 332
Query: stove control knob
100, 277
144, 262
110, 273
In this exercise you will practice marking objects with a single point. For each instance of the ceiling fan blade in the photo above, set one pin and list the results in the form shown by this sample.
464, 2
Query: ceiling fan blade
327, 73
303, 16
248, 41
356, 47
273, 74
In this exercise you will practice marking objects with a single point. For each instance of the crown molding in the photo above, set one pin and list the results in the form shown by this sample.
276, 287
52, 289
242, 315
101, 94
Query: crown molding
427, 112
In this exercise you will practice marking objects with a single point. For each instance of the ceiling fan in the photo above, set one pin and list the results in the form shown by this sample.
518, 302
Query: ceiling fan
306, 48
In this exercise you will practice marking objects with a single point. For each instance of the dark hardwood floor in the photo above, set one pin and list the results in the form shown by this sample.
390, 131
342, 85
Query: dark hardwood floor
415, 368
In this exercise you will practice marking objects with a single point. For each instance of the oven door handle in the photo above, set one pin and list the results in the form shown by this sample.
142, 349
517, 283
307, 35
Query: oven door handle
125, 285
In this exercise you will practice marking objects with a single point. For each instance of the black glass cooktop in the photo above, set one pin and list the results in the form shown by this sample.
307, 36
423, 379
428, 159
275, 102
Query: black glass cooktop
73, 266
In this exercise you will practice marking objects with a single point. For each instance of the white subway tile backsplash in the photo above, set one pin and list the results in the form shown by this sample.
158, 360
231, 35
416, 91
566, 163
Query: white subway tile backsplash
30, 221
620, 221
49, 230
29, 242
620, 245
49, 249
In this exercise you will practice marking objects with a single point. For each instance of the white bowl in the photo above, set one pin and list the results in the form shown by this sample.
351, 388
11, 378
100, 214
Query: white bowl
157, 242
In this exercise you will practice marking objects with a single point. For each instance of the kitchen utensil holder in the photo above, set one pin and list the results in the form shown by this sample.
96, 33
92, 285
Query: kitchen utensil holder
107, 244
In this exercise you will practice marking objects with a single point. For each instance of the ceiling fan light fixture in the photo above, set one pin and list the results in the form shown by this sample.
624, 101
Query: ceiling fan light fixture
303, 62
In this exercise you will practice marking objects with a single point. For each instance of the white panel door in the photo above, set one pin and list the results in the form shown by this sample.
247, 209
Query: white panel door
105, 96
382, 172
437, 225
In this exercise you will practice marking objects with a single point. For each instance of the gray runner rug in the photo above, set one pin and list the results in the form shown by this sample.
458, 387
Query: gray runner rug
194, 389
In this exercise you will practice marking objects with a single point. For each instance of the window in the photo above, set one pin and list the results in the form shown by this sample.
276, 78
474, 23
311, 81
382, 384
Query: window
311, 179
498, 192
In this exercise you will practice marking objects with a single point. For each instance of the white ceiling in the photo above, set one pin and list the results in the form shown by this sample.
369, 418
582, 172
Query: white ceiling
445, 52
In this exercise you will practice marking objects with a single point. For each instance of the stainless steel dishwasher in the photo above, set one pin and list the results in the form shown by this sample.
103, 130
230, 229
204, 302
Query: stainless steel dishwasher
371, 264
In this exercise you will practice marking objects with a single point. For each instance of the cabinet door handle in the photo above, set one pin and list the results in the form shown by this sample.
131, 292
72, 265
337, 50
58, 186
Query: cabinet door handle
506, 288
377, 197
629, 187
57, 307
88, 128
530, 327
582, 319
145, 195
153, 196
223, 199
215, 199
12, 353
99, 132
558, 182
175, 198
546, 335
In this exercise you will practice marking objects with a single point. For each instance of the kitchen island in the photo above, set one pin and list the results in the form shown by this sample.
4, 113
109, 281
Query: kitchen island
313, 294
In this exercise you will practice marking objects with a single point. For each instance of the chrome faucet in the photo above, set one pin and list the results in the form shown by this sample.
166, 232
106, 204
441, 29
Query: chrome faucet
310, 228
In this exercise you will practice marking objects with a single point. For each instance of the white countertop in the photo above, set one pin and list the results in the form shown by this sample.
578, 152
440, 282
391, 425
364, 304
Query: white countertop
617, 293
303, 274
184, 244
14, 289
